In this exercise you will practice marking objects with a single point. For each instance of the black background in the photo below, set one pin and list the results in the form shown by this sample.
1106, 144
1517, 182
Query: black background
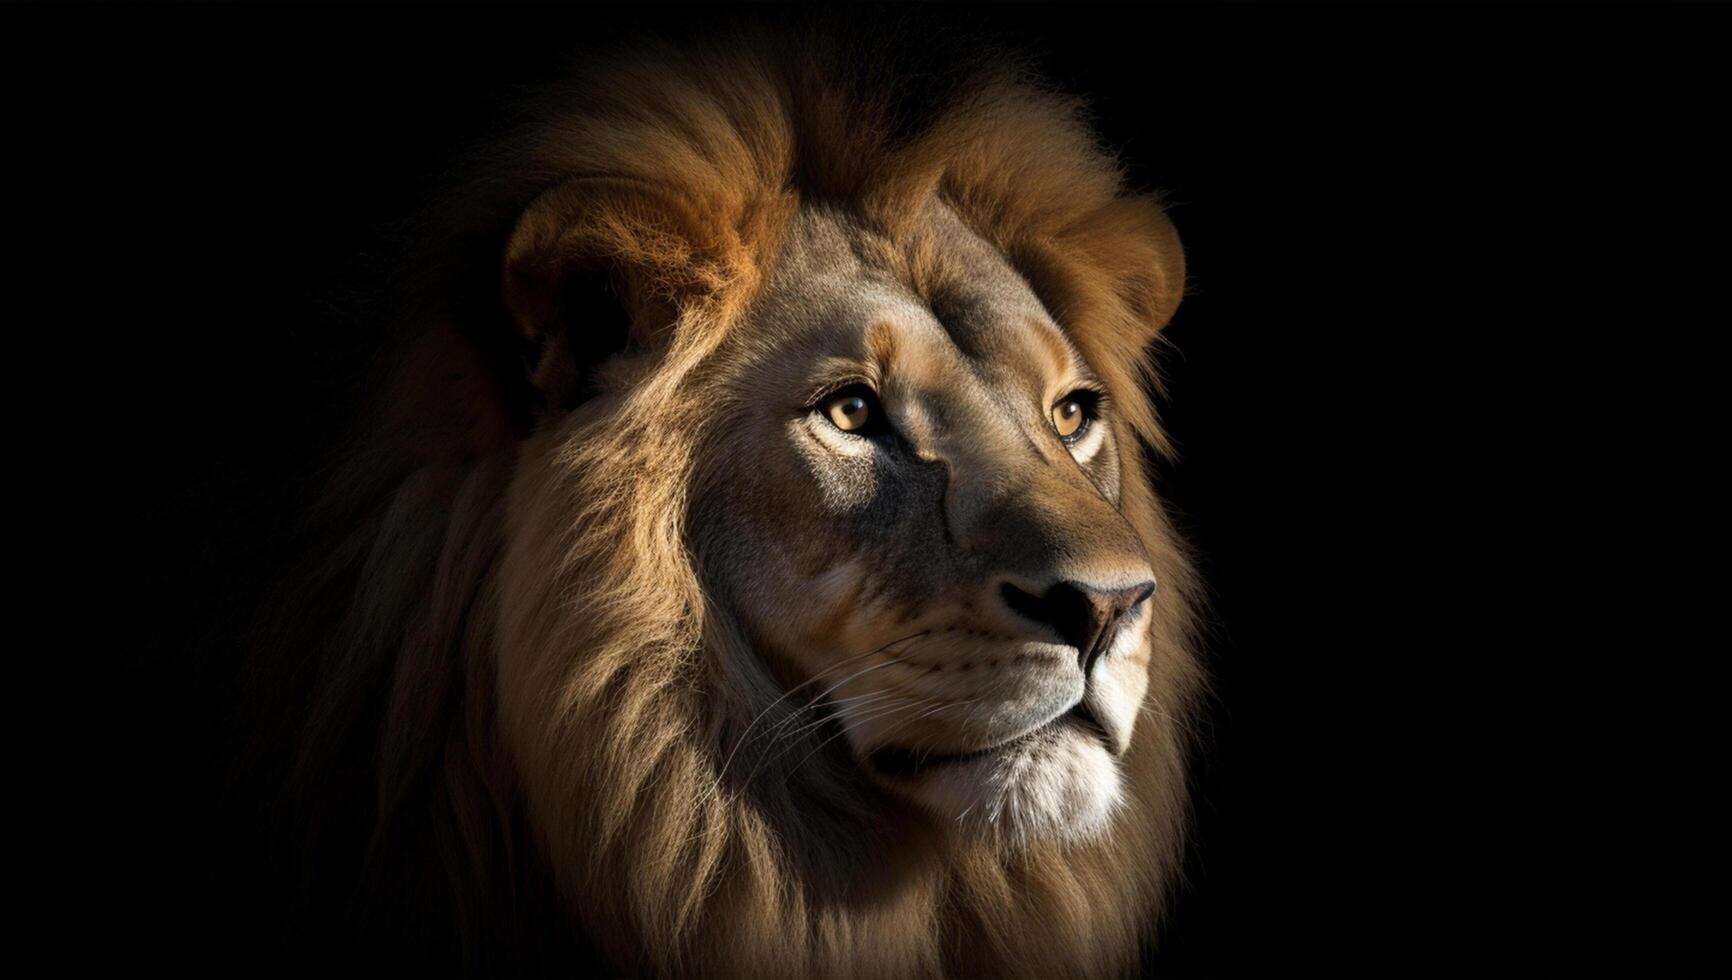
1439, 391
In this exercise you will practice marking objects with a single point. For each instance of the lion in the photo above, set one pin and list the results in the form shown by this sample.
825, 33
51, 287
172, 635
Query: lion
746, 562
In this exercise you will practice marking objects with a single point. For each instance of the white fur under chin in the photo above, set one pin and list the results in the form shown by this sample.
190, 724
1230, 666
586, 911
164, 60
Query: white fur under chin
1061, 786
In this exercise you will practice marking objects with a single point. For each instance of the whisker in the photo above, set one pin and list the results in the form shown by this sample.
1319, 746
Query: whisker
874, 702
899, 726
903, 704
785, 695
788, 738
830, 690
857, 702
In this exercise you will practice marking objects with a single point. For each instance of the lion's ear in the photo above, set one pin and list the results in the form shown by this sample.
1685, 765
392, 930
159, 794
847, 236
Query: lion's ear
1134, 249
1154, 282
584, 278
1113, 279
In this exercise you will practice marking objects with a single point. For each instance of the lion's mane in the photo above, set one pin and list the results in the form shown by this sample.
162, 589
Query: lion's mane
441, 784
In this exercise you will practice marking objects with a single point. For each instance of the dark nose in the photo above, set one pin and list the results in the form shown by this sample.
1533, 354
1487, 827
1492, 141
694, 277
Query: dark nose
1085, 617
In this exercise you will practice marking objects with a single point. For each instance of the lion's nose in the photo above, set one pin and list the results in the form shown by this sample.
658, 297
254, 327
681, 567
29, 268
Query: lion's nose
1085, 616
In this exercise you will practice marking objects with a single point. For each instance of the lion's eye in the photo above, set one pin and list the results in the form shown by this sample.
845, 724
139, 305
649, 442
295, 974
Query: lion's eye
853, 409
1072, 415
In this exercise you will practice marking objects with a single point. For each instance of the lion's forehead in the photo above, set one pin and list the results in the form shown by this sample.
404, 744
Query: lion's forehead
941, 308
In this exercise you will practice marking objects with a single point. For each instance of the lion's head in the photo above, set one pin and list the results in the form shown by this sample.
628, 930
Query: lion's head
910, 510
824, 621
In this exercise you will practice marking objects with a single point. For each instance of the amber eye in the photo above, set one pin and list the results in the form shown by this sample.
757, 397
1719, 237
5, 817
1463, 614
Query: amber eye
851, 410
1072, 414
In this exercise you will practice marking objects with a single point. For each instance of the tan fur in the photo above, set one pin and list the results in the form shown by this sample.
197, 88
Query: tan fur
559, 689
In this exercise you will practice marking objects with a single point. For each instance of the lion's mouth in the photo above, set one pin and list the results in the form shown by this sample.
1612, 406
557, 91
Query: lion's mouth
906, 763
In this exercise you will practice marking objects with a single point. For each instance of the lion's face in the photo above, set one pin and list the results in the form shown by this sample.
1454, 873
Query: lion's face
915, 514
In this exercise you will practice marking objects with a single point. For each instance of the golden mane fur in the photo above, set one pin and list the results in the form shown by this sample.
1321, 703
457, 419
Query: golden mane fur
463, 795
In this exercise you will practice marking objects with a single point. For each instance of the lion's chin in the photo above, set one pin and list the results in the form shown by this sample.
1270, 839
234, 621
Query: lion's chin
1058, 784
